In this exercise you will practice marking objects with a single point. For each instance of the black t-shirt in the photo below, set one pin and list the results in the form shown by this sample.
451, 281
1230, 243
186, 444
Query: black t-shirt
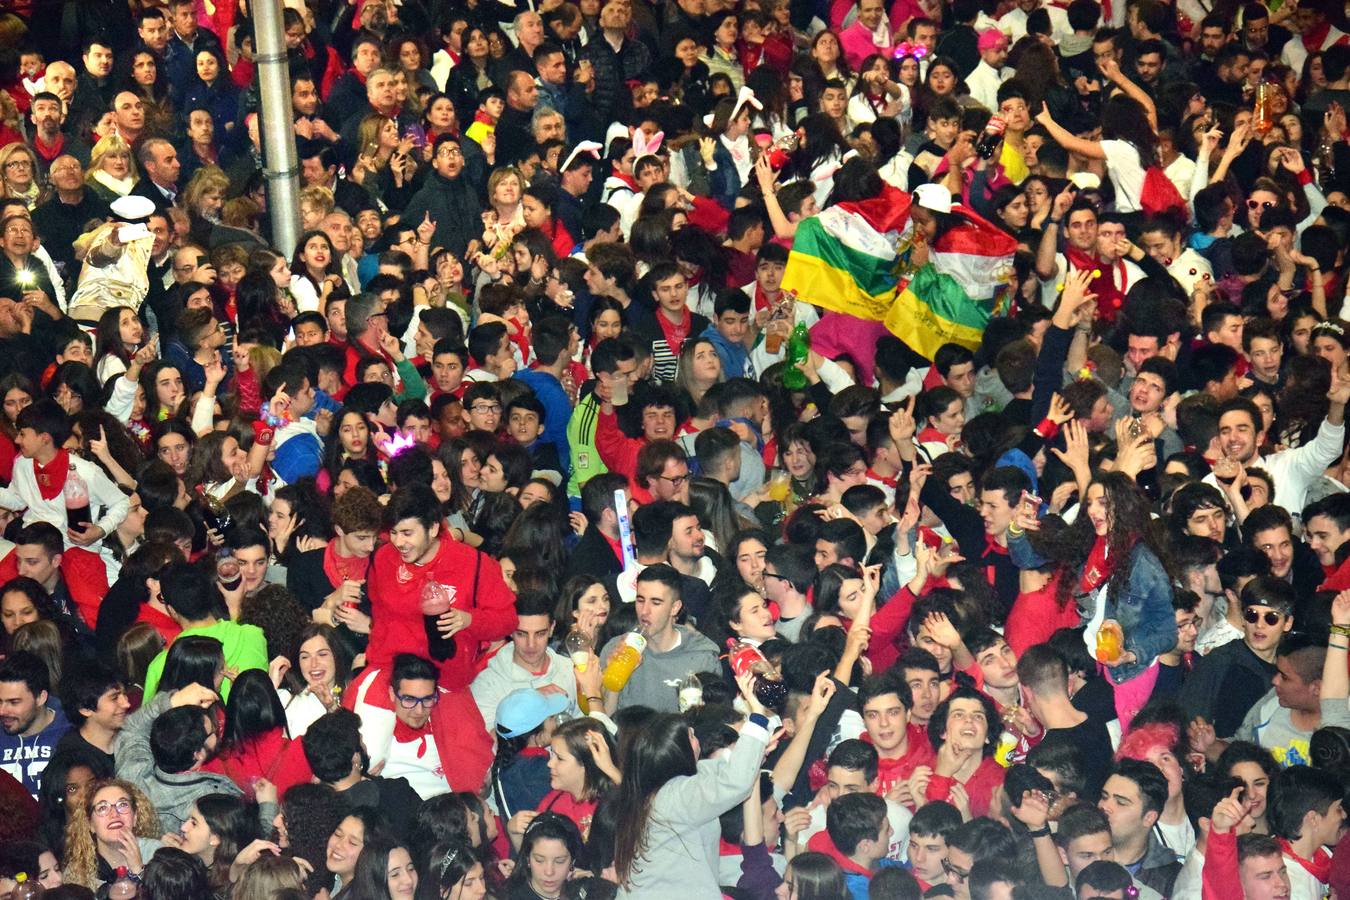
1093, 743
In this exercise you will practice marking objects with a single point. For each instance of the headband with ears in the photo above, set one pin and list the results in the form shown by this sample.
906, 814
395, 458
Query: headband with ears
642, 147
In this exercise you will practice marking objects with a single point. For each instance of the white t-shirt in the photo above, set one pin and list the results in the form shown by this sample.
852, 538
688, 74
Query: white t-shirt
1127, 174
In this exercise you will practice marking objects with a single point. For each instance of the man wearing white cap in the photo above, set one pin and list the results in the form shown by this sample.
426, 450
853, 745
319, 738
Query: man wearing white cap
116, 257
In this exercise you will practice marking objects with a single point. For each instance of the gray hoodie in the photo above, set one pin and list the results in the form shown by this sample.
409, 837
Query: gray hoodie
656, 681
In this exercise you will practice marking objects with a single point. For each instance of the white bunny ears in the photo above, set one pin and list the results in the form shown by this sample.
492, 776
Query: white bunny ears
742, 98
644, 147
590, 147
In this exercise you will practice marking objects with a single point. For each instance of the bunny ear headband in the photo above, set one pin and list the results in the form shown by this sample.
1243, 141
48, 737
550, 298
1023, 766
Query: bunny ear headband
745, 96
917, 51
588, 147
644, 147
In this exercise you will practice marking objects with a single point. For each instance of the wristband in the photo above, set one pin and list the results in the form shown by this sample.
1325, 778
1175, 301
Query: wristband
262, 433
1339, 646
1341, 630
1304, 178
1043, 831
1055, 222
760, 719
1015, 531
1047, 429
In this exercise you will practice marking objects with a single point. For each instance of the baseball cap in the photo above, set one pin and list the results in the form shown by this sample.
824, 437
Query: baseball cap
524, 710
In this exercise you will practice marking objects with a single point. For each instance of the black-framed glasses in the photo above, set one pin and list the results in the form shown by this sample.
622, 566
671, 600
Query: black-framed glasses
776, 575
675, 480
408, 702
953, 872
1271, 617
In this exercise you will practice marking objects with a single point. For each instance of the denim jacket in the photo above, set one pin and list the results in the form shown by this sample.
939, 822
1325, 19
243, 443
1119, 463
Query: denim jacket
1143, 607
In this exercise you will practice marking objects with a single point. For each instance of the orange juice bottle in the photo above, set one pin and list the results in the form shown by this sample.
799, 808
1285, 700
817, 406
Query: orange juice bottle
1110, 642
623, 661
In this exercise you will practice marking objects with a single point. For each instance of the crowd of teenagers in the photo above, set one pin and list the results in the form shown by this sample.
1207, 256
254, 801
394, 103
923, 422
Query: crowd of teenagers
516, 534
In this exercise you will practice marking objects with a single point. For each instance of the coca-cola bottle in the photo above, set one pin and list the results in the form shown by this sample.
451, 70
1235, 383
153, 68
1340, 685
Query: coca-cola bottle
990, 138
124, 887
437, 599
781, 150
769, 687
76, 494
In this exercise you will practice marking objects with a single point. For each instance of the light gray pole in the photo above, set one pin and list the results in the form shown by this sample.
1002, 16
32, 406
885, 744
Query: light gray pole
280, 167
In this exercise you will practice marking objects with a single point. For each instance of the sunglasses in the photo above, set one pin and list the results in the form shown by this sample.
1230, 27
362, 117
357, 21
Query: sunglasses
1260, 204
1251, 616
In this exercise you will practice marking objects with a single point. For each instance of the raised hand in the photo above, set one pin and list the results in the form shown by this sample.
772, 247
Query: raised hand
1060, 410
1340, 609
901, 424
942, 630
1228, 813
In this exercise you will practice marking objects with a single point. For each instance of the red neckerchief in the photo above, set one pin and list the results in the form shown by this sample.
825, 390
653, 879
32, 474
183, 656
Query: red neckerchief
51, 478
1318, 867
41, 149
675, 334
338, 571
726, 848
1313, 41
1109, 297
483, 117
931, 435
405, 734
992, 547
889, 482
616, 546
761, 300
1097, 568
632, 183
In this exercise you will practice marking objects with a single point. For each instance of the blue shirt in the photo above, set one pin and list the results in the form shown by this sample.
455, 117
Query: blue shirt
557, 409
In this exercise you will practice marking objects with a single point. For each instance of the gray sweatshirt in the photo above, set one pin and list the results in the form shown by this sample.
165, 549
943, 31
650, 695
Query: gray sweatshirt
656, 682
680, 858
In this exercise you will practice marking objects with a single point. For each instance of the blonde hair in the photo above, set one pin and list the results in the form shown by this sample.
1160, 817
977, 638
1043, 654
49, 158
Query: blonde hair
500, 175
19, 148
240, 212
206, 180
319, 197
368, 133
81, 850
107, 145
263, 359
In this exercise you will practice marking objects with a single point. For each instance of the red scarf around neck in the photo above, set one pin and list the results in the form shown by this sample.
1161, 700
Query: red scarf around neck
675, 334
1097, 568
51, 478
343, 568
1109, 297
1318, 867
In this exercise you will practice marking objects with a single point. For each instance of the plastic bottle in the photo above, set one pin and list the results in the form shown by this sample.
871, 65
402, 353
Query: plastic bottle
26, 888
690, 692
76, 494
578, 648
769, 687
989, 139
623, 661
437, 599
124, 887
1110, 642
782, 150
798, 349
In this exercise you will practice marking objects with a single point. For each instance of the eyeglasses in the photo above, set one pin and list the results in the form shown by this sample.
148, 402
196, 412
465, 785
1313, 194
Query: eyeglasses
1271, 617
953, 872
776, 575
19, 164
449, 152
105, 809
675, 480
1261, 204
483, 408
413, 702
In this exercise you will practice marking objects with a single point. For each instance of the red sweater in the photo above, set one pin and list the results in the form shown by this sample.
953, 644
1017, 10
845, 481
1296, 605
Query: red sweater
617, 450
920, 753
272, 756
1219, 879
1035, 616
395, 590
980, 788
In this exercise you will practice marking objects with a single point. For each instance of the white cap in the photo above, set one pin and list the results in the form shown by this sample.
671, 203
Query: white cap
934, 197
132, 208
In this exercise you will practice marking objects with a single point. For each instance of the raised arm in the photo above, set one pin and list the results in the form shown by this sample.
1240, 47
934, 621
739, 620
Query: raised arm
1070, 142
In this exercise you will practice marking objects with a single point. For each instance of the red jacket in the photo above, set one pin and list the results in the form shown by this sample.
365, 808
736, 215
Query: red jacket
1219, 879
395, 590
617, 450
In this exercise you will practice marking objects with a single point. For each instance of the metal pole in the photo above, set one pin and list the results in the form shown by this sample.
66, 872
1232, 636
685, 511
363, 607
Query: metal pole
280, 167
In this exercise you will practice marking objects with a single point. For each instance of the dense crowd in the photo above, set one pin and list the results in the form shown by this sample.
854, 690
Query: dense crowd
628, 484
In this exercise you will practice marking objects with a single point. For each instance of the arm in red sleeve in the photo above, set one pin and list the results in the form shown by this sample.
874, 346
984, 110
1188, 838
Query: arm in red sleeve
939, 786
617, 451
887, 623
1219, 878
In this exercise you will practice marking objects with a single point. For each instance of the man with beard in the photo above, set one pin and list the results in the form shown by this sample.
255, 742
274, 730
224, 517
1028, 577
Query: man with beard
31, 728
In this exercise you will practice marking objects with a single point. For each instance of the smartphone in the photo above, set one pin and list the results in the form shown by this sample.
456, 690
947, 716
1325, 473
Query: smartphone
418, 134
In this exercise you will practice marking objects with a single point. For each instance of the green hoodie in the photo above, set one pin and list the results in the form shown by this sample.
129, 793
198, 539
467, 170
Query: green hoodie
245, 648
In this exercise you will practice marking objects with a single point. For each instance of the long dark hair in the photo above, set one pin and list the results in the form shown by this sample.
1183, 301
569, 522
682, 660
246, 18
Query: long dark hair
298, 263
659, 752
192, 659
370, 881
1131, 524
1124, 119
108, 336
443, 867
234, 821
253, 709
546, 826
